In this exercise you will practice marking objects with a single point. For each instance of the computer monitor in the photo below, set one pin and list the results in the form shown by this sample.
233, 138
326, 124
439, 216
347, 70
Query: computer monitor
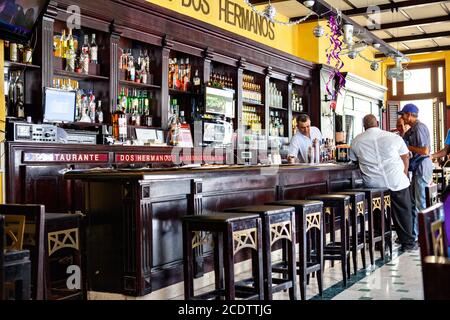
59, 105
19, 18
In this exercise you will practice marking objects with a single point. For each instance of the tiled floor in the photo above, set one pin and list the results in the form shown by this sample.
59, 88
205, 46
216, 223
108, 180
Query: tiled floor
397, 279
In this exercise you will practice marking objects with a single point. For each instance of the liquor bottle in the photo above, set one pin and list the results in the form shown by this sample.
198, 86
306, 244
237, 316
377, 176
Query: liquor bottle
93, 50
175, 83
84, 56
197, 82
99, 112
131, 69
70, 54
63, 44
182, 118
13, 52
119, 125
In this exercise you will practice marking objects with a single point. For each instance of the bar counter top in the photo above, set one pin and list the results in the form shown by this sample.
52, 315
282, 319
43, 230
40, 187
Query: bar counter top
204, 170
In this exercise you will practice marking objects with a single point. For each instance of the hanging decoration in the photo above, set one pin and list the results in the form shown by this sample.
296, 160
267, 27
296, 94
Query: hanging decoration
333, 58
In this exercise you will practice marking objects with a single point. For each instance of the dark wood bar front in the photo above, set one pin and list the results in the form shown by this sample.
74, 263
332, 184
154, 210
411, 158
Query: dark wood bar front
134, 236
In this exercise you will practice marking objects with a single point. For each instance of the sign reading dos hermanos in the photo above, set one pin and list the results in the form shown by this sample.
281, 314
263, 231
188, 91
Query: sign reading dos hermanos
231, 13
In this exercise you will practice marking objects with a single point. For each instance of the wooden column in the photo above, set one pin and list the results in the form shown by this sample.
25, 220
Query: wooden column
167, 45
291, 81
114, 66
208, 56
240, 85
268, 72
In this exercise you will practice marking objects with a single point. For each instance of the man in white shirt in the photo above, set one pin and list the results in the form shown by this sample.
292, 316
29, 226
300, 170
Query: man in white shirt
303, 139
384, 160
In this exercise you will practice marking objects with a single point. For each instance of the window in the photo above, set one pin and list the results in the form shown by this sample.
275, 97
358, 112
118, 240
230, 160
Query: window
394, 87
441, 79
419, 82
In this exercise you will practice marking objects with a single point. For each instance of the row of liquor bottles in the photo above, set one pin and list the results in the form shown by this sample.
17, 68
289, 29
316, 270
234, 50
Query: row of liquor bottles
321, 151
16, 52
77, 59
181, 76
136, 104
137, 69
276, 125
221, 81
88, 107
251, 92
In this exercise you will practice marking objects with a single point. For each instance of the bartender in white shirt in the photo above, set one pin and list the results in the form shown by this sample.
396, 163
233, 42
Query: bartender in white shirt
303, 139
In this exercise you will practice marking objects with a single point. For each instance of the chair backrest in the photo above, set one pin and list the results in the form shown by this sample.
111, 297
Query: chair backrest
431, 195
432, 235
2, 269
34, 219
436, 277
14, 231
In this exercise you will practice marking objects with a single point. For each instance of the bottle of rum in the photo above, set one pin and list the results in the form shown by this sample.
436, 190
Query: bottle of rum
99, 112
93, 50
84, 56
197, 82
70, 54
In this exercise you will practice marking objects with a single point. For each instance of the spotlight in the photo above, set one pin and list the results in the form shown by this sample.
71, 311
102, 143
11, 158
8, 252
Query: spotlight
309, 3
374, 66
376, 45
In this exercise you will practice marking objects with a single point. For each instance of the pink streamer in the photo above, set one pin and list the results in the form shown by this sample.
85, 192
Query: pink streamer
333, 54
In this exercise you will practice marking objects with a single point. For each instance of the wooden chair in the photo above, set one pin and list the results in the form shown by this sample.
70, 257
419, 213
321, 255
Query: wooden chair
434, 253
431, 195
14, 231
432, 237
34, 241
15, 269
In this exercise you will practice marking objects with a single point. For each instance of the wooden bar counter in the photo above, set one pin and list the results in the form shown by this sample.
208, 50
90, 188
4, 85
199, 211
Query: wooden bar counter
134, 234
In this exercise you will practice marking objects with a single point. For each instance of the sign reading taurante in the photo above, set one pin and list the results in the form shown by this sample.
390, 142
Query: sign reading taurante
233, 14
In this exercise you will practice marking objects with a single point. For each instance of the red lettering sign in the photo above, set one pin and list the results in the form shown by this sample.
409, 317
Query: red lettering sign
125, 157
66, 157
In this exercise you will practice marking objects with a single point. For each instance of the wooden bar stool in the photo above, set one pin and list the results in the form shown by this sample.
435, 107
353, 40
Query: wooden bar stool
309, 224
358, 226
278, 223
375, 216
15, 269
232, 232
63, 255
387, 206
337, 206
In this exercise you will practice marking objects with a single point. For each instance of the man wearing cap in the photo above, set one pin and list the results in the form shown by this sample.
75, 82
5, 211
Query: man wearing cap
417, 139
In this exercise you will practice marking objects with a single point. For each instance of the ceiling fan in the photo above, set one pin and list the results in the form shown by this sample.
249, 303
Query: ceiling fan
353, 48
399, 72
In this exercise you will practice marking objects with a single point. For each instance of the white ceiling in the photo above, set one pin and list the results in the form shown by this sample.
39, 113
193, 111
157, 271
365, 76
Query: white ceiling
293, 8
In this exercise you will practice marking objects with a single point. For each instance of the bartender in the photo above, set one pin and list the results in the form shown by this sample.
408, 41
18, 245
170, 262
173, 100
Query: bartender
303, 139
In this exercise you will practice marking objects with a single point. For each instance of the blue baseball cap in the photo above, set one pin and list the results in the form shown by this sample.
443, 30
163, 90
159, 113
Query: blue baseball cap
409, 108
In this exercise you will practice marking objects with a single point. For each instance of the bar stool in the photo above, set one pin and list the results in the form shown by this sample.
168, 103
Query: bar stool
376, 232
278, 223
388, 220
337, 205
358, 226
309, 223
232, 232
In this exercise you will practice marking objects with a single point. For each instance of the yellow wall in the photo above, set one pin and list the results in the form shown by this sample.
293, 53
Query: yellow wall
220, 13
445, 55
297, 40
